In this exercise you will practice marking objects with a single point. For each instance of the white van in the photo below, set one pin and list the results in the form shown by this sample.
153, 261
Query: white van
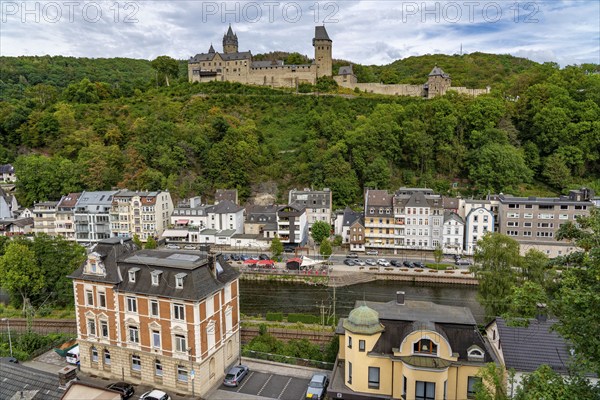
73, 355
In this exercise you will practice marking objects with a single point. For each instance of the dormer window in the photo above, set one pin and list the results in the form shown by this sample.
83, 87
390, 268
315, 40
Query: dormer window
155, 277
179, 280
425, 346
132, 272
474, 353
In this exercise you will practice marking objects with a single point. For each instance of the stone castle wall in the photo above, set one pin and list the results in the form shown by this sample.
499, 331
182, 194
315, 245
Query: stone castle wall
380, 88
470, 92
277, 76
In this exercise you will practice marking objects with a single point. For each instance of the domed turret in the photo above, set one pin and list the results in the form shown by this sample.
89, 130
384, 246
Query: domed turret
363, 320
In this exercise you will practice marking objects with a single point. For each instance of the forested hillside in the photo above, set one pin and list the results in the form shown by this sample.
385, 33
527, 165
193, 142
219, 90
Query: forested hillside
537, 133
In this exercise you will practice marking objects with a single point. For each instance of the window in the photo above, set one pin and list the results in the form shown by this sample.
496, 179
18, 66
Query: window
132, 276
136, 363
512, 233
512, 223
563, 216
104, 329
155, 277
94, 354
154, 308
134, 334
158, 370
349, 342
513, 215
180, 344
361, 345
156, 339
349, 372
528, 215
179, 280
472, 381
425, 391
513, 206
373, 378
425, 346
132, 304
527, 224
545, 225
404, 383
527, 233
106, 357
544, 234
179, 312
102, 299
182, 375
546, 216
91, 327
89, 298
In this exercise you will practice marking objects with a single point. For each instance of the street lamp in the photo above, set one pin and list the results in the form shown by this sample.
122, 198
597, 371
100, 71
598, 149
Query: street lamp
9, 339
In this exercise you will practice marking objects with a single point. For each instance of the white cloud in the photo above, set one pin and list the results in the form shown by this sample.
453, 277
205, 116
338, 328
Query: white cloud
367, 32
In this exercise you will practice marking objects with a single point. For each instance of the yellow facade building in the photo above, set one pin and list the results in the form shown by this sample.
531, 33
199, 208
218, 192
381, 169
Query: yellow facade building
411, 350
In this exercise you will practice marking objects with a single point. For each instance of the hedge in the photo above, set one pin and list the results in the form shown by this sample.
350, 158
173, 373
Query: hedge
274, 316
304, 318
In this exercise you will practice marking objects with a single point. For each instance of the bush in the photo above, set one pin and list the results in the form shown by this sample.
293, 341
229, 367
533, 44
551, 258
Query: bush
304, 318
274, 316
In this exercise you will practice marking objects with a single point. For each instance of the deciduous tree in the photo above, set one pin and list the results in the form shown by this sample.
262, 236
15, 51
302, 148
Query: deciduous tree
320, 231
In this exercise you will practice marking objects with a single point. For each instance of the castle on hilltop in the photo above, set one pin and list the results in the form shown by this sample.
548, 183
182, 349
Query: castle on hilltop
238, 66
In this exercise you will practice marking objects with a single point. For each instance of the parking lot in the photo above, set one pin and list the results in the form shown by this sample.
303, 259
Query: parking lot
271, 386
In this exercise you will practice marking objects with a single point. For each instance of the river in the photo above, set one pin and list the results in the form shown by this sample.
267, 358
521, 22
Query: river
261, 297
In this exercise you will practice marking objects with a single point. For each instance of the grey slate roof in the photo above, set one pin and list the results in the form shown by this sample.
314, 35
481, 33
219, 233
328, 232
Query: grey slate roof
526, 348
437, 71
350, 216
36, 385
413, 310
262, 64
240, 55
225, 207
7, 169
377, 198
261, 214
321, 33
109, 251
449, 215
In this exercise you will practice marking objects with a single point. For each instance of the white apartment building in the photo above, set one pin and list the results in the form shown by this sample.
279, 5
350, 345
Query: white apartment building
92, 216
479, 220
44, 217
454, 233
317, 203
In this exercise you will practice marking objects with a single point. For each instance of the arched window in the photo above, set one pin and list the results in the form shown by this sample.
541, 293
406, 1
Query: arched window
211, 368
94, 351
425, 346
106, 357
229, 349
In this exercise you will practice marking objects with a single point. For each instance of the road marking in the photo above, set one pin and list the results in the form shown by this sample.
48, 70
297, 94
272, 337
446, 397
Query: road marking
246, 379
285, 387
263, 386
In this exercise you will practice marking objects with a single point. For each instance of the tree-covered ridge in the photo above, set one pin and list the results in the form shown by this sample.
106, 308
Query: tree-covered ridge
540, 135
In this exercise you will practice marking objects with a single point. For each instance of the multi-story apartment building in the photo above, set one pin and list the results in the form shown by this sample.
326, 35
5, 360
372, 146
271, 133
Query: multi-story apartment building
453, 233
479, 220
420, 214
226, 215
156, 317
44, 217
190, 213
92, 216
292, 227
350, 226
145, 214
380, 225
318, 204
533, 221
261, 220
65, 219
408, 350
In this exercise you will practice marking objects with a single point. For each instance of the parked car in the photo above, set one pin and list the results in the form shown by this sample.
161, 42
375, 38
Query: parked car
264, 257
352, 255
155, 394
235, 375
349, 261
235, 257
72, 356
372, 252
173, 246
463, 262
226, 257
370, 261
419, 264
396, 263
288, 250
244, 257
383, 262
358, 261
189, 247
408, 264
126, 389
317, 387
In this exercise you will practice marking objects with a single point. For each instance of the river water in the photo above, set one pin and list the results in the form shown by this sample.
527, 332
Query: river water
262, 297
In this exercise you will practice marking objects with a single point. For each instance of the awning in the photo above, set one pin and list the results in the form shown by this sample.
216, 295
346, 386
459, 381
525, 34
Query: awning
250, 262
307, 262
177, 233
182, 221
266, 262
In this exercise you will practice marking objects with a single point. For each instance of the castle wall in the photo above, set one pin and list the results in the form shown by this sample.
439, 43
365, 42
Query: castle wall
345, 80
470, 92
380, 88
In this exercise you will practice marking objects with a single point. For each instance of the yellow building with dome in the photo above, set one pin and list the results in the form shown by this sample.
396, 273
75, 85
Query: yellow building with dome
411, 350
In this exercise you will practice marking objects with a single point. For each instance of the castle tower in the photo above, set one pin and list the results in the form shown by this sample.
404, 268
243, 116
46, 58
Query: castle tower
230, 42
438, 82
323, 58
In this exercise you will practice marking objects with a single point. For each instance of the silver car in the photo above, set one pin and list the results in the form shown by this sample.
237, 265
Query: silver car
235, 375
317, 387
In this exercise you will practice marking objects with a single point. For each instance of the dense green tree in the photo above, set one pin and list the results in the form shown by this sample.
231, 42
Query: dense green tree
438, 254
325, 248
20, 274
498, 168
556, 172
151, 243
276, 246
492, 385
165, 67
523, 302
546, 384
137, 241
535, 267
320, 231
497, 258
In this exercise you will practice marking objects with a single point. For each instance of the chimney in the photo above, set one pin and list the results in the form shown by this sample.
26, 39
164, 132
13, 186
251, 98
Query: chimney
542, 312
400, 298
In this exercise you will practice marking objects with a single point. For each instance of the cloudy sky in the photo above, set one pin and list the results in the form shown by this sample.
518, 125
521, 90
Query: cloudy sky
363, 31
